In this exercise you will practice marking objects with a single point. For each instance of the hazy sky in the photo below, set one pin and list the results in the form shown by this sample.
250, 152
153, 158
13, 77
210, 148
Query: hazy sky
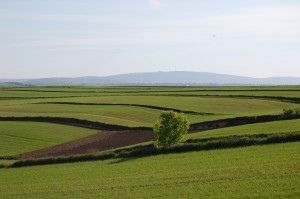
51, 38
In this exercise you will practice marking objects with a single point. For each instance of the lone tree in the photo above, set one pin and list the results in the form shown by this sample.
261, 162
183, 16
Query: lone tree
170, 129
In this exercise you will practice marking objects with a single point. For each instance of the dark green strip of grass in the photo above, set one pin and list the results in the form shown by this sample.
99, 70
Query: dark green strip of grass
294, 100
74, 122
8, 158
136, 105
229, 122
189, 145
45, 97
193, 127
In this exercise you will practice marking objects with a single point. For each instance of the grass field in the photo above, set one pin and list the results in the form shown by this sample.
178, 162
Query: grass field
200, 104
270, 171
264, 171
266, 127
122, 115
141, 116
21, 137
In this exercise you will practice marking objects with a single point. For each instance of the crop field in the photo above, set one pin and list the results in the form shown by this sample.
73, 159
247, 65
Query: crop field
251, 172
266, 128
82, 122
142, 116
21, 137
133, 110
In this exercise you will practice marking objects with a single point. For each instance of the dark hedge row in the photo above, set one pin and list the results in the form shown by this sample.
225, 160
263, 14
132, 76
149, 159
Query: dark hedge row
238, 121
295, 100
193, 127
189, 145
7, 158
75, 122
136, 105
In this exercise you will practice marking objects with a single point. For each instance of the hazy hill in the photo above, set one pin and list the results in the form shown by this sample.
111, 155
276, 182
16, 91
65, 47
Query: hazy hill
158, 78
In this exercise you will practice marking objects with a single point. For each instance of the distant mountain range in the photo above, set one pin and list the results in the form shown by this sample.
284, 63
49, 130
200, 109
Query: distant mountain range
175, 78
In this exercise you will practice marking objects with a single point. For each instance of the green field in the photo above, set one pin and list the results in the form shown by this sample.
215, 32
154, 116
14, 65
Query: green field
43, 92
249, 172
264, 171
21, 137
266, 127
218, 108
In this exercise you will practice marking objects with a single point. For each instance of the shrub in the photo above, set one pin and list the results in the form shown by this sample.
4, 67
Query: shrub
170, 129
290, 113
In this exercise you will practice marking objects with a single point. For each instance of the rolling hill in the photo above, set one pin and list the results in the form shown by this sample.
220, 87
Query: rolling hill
180, 78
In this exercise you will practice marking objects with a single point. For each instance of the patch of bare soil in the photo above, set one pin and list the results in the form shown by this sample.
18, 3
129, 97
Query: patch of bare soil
106, 140
102, 141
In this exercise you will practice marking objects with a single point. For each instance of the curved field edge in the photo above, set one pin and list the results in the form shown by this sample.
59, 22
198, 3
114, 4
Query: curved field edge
295, 100
103, 141
201, 126
191, 103
125, 104
230, 173
75, 122
114, 139
20, 137
255, 128
150, 150
140, 116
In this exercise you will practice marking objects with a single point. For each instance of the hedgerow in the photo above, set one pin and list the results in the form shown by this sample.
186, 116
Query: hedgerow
189, 145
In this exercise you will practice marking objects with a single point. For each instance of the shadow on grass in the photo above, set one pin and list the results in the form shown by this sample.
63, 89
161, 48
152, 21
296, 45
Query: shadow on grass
130, 154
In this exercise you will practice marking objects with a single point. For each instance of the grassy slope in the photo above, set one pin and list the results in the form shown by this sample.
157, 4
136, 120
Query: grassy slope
21, 137
138, 116
266, 127
121, 115
200, 104
286, 91
237, 93
249, 172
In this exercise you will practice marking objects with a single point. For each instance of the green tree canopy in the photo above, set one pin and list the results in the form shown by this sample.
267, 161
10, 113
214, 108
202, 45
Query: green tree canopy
170, 129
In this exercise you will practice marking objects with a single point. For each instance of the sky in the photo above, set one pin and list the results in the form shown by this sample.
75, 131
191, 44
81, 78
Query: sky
72, 38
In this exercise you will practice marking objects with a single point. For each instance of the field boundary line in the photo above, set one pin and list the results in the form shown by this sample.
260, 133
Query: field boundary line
149, 150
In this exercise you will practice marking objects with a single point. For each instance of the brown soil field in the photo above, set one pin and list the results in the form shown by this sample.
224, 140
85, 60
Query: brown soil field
101, 141
106, 140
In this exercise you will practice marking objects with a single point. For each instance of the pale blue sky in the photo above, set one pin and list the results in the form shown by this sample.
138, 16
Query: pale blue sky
70, 38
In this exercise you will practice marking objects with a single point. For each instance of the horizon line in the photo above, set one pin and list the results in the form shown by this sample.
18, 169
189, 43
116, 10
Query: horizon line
172, 71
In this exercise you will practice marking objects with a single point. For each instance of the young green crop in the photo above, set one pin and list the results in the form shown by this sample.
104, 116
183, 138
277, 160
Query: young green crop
141, 116
266, 127
21, 137
247, 172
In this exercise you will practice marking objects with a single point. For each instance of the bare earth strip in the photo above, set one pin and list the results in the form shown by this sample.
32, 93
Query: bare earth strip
106, 140
102, 141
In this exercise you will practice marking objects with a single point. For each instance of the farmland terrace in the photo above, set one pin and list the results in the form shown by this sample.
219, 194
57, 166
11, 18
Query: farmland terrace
122, 116
96, 142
